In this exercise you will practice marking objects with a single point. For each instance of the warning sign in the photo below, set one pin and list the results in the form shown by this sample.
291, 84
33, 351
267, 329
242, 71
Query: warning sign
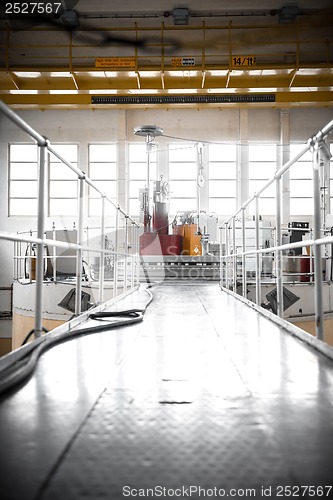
183, 61
115, 62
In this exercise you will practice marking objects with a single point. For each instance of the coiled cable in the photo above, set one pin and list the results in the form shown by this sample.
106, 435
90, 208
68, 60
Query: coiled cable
22, 368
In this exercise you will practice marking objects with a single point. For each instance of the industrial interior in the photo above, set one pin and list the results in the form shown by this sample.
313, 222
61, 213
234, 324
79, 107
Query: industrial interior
166, 239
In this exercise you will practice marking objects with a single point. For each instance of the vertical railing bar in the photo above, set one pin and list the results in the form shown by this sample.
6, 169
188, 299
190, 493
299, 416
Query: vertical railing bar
257, 242
227, 250
234, 259
126, 254
38, 328
54, 255
222, 283
79, 252
319, 316
102, 257
115, 271
278, 242
243, 256
131, 257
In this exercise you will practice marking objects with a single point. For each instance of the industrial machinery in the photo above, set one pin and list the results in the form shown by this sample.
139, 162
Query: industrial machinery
180, 247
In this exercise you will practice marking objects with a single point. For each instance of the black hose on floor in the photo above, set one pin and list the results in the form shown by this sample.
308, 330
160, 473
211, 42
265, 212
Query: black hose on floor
22, 369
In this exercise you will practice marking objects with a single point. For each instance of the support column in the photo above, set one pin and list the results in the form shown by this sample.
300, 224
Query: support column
122, 161
284, 158
243, 159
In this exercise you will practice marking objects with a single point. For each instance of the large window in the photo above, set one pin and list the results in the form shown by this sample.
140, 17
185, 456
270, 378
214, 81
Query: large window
138, 174
301, 185
262, 166
63, 181
182, 178
23, 179
222, 178
103, 172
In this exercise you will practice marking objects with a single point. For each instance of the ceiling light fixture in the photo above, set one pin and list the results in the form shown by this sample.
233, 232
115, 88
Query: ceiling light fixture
180, 16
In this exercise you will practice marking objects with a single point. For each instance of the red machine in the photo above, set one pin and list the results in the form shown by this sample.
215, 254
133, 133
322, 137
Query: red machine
157, 240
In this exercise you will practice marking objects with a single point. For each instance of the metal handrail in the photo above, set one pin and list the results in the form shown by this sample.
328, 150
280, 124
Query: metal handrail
44, 144
313, 144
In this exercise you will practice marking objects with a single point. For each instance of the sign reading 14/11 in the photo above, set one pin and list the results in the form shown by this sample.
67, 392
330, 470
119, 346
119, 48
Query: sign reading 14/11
243, 61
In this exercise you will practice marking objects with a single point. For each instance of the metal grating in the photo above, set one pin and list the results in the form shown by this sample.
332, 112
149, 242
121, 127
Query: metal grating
181, 99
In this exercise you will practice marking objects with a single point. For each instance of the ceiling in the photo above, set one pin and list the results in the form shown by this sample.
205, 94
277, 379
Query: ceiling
84, 54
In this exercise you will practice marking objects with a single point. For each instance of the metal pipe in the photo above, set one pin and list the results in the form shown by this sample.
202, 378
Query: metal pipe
115, 272
257, 239
234, 260
38, 329
279, 275
227, 255
102, 257
54, 252
319, 316
126, 254
221, 258
243, 256
78, 290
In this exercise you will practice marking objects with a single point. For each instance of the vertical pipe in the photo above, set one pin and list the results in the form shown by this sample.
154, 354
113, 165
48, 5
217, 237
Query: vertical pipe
221, 257
279, 275
40, 247
115, 271
319, 316
137, 258
234, 256
102, 255
257, 238
243, 256
227, 250
132, 255
15, 260
126, 253
78, 291
54, 254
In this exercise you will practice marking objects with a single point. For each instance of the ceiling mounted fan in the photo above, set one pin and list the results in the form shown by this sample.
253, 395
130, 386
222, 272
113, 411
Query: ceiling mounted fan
64, 16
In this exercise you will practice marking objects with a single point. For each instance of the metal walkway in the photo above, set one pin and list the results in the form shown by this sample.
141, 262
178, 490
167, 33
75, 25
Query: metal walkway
204, 393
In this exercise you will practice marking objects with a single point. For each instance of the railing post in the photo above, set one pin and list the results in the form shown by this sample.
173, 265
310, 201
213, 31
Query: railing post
279, 275
221, 256
137, 256
38, 328
132, 255
319, 316
234, 256
78, 292
257, 239
243, 256
102, 257
115, 271
227, 250
126, 253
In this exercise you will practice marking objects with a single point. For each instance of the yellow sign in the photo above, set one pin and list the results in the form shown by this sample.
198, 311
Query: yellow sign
115, 62
243, 61
183, 61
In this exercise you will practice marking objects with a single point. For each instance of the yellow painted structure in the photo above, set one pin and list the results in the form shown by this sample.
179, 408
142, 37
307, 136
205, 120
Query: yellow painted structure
50, 68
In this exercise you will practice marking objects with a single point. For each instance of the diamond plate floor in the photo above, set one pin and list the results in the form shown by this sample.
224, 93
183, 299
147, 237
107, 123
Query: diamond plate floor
204, 393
